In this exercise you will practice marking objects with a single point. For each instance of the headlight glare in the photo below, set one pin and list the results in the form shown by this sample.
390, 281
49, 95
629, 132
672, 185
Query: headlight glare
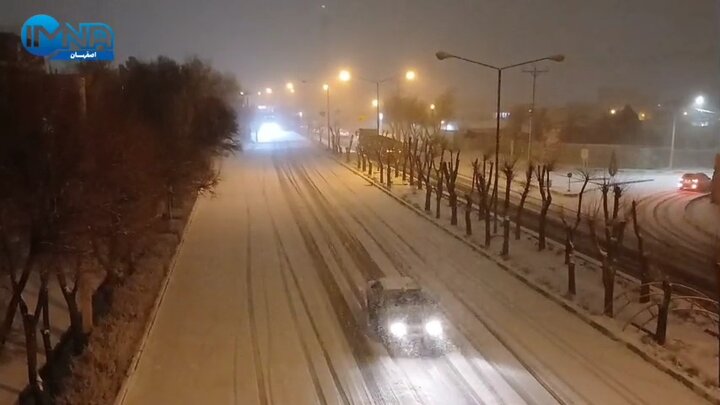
434, 328
398, 329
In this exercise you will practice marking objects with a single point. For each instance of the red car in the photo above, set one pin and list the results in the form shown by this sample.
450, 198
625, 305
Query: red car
699, 182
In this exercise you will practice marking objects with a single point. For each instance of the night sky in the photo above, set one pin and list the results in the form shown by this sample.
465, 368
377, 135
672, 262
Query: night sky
663, 48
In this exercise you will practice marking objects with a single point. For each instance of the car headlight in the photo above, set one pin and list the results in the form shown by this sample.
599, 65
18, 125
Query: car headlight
434, 328
398, 329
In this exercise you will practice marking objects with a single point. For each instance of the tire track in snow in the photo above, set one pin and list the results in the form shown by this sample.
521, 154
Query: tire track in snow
516, 385
400, 266
306, 308
361, 255
354, 336
279, 248
259, 373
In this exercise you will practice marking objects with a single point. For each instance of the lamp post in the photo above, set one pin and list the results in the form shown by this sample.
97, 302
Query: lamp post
442, 55
698, 102
410, 75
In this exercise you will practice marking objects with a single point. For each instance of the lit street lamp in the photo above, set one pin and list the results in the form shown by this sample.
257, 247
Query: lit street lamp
442, 55
410, 75
698, 102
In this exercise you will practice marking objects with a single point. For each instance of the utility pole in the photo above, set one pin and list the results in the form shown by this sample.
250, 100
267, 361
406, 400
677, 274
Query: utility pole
535, 72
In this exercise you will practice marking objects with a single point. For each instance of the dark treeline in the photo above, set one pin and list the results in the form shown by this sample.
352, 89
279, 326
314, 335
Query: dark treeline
91, 164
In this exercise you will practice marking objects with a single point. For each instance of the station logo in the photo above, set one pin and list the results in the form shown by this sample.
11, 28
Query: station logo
44, 36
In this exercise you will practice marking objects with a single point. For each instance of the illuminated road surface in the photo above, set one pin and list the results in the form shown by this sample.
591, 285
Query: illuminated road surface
264, 306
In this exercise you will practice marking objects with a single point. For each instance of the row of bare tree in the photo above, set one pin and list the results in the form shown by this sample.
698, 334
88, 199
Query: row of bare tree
89, 173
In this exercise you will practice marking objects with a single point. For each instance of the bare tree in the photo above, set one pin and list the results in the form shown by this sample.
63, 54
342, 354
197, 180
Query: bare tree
543, 176
483, 180
529, 171
570, 229
614, 230
349, 148
643, 258
468, 210
450, 178
509, 171
439, 175
428, 173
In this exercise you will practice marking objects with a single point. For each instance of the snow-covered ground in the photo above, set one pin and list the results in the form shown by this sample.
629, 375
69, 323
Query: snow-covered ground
265, 306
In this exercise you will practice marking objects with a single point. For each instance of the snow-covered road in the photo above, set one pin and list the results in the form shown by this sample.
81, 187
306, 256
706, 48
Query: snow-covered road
264, 306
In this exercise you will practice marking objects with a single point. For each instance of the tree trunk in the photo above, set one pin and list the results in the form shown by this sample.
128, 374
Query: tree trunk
571, 277
488, 234
439, 195
506, 236
428, 196
468, 210
642, 258
18, 286
453, 209
541, 231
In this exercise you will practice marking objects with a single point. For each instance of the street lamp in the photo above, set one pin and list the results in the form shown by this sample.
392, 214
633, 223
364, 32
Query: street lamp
290, 87
344, 76
410, 75
442, 55
375, 102
268, 90
698, 102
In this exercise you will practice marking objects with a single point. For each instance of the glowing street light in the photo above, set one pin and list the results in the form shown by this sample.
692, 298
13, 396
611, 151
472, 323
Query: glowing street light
268, 90
326, 87
613, 111
344, 75
259, 93
290, 87
432, 107
699, 101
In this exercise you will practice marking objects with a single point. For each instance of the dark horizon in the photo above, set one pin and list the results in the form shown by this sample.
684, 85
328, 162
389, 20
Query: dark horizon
661, 49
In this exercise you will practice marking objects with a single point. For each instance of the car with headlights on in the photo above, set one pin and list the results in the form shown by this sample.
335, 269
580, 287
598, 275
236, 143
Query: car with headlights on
404, 316
699, 182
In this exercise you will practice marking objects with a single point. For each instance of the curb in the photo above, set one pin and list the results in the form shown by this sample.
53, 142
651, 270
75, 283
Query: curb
122, 392
567, 305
